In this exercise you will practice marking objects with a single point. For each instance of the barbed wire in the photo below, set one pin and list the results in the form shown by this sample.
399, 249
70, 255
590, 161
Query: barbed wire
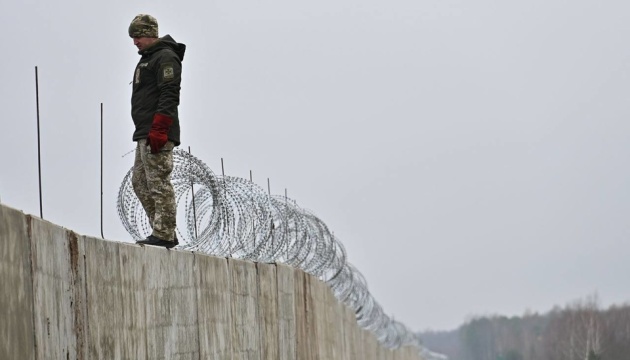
233, 217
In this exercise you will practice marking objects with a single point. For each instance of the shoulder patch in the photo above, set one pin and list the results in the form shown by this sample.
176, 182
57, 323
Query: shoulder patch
167, 72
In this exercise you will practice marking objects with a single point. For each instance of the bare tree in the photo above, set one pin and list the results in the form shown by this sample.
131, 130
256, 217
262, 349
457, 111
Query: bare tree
576, 333
579, 331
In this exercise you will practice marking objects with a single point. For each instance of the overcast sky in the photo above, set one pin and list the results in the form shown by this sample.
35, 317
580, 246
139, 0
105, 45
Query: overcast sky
471, 155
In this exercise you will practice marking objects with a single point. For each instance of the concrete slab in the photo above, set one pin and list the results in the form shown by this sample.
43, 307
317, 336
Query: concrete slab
133, 280
105, 310
348, 328
301, 328
369, 345
322, 349
404, 354
213, 307
384, 353
335, 323
329, 330
286, 312
171, 304
376, 347
58, 267
268, 311
16, 297
244, 302
312, 336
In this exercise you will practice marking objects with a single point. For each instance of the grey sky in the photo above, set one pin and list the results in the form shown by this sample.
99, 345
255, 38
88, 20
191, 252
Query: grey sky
472, 156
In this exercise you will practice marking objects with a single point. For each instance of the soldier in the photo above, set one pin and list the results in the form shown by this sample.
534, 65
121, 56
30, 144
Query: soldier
154, 101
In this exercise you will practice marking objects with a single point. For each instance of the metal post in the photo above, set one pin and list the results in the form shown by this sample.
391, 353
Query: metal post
286, 228
225, 220
192, 188
39, 156
102, 236
268, 187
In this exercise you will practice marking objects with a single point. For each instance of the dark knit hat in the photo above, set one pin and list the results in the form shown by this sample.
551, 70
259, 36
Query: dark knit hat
143, 25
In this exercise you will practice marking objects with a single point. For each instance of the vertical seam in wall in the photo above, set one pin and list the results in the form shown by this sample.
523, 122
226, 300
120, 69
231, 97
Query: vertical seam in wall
75, 296
87, 300
29, 232
197, 289
231, 297
87, 313
144, 295
309, 341
275, 267
277, 318
295, 320
121, 291
261, 322
230, 291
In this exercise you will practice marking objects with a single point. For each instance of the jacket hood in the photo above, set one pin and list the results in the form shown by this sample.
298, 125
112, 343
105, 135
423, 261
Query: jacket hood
166, 42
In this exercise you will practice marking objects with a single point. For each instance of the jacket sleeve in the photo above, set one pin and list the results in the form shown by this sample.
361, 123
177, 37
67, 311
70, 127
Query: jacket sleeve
169, 78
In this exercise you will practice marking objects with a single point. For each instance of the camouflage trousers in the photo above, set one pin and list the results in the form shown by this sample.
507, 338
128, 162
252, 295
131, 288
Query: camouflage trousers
151, 180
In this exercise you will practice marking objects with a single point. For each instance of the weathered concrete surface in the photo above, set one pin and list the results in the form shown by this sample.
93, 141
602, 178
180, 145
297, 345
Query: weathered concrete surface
16, 291
335, 324
286, 312
78, 297
268, 311
213, 307
311, 335
318, 317
323, 344
133, 275
244, 303
142, 302
301, 327
370, 346
104, 296
58, 267
384, 353
171, 304
357, 346
346, 333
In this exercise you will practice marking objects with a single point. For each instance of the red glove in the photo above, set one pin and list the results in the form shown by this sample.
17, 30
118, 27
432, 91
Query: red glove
158, 135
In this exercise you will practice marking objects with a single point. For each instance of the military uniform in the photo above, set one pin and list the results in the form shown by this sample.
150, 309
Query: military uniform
154, 102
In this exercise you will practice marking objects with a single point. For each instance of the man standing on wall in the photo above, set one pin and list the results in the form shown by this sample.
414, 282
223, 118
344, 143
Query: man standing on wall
154, 101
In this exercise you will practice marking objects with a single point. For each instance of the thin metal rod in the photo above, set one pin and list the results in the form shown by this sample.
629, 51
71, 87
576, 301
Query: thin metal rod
39, 154
192, 189
286, 228
250, 176
268, 187
225, 220
102, 236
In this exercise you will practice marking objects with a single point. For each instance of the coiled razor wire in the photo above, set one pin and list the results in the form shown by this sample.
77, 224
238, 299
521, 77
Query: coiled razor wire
233, 217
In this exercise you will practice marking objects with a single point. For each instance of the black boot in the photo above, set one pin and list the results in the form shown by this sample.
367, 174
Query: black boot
156, 241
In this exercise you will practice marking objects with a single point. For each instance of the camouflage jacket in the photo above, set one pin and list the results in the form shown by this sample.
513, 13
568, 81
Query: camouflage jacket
156, 85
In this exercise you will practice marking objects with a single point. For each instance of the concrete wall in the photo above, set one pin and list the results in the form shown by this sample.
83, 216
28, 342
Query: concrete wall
66, 296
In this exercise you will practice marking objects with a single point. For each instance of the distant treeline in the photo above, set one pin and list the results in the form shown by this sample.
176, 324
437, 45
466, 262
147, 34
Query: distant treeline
579, 331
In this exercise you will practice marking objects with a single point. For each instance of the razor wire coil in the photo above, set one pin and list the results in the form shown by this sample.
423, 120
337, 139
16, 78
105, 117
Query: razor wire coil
232, 217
